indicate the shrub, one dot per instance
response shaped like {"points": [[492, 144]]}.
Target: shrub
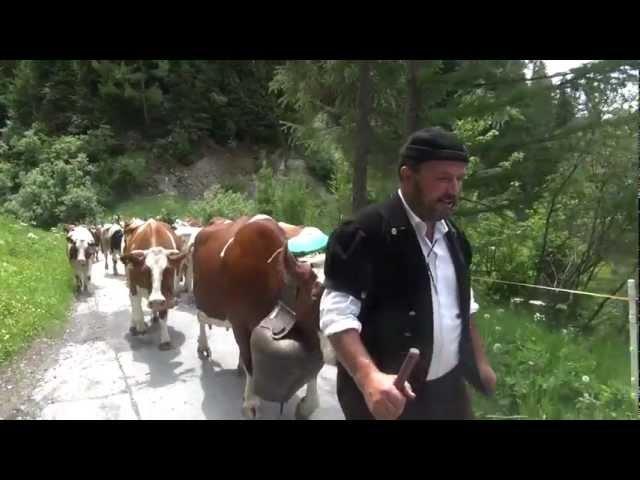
{"points": [[218, 202], [55, 192]]}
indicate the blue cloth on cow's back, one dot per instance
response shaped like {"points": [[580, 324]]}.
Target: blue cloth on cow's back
{"points": [[309, 240]]}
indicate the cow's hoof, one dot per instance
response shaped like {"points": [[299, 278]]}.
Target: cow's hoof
{"points": [[305, 408], [164, 346], [250, 410], [135, 332], [204, 353]]}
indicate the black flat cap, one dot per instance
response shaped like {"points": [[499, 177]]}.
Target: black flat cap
{"points": [[433, 144]]}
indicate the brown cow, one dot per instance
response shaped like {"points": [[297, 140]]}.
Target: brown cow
{"points": [[153, 257], [290, 230], [240, 272]]}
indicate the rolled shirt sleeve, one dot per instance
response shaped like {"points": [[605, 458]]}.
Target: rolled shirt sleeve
{"points": [[339, 312]]}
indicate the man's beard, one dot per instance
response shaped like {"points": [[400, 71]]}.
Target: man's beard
{"points": [[441, 208]]}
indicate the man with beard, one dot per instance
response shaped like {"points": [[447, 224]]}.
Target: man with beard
{"points": [[397, 277]]}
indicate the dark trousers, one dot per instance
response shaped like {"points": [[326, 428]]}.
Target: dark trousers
{"points": [[445, 398]]}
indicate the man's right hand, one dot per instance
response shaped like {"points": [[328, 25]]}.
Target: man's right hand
{"points": [[384, 400]]}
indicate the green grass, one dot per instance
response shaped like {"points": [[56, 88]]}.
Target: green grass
{"points": [[548, 374], [36, 285], [152, 206]]}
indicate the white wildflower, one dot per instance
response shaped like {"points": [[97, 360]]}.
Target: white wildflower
{"points": [[501, 310], [31, 235], [498, 328], [517, 300], [486, 315], [537, 303], [497, 347], [585, 379], [538, 317]]}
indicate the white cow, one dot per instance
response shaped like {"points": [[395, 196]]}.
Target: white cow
{"points": [[80, 248]]}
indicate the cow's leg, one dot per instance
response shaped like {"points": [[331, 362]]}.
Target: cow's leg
{"points": [[240, 368], [138, 327], [203, 344], [176, 281], [251, 402], [165, 341], [115, 263], [106, 261], [309, 402], [85, 277], [189, 276]]}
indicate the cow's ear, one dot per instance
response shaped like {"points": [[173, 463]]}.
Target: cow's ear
{"points": [[133, 258], [69, 239], [176, 258]]}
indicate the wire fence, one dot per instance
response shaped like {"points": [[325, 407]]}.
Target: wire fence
{"points": [[631, 299]]}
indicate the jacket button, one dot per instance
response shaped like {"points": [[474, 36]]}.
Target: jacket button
{"points": [[412, 313]]}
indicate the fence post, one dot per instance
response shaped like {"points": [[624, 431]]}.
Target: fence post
{"points": [[633, 335]]}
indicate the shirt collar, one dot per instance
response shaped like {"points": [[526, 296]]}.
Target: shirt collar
{"points": [[419, 226]]}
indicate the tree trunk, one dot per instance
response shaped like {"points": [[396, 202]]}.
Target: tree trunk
{"points": [[363, 137], [545, 236], [144, 97], [413, 99], [144, 104], [597, 311]]}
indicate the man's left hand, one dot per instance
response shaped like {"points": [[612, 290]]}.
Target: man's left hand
{"points": [[488, 377]]}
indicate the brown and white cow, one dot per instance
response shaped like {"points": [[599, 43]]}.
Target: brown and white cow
{"points": [[188, 236], [152, 257], [96, 231], [290, 230], [187, 222], [80, 249], [241, 269]]}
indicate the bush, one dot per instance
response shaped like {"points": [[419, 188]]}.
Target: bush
{"points": [[56, 192], [321, 168], [218, 202], [121, 175], [265, 190], [8, 179], [178, 145], [291, 201], [100, 143], [548, 374]]}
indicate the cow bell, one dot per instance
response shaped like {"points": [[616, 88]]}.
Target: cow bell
{"points": [[282, 365]]}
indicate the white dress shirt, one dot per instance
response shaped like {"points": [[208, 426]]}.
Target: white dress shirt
{"points": [[339, 311]]}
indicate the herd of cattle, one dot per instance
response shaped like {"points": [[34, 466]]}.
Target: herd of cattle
{"points": [[240, 272]]}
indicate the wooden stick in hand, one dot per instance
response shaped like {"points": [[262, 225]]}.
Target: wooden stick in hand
{"points": [[406, 368]]}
